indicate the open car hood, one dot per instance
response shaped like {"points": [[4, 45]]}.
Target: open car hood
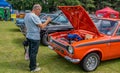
{"points": [[79, 18]]}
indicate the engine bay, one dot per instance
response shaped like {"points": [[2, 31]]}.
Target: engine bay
{"points": [[76, 36]]}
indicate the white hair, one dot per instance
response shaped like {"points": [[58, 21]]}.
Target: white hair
{"points": [[36, 6]]}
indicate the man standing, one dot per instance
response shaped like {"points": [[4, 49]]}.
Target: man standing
{"points": [[33, 25]]}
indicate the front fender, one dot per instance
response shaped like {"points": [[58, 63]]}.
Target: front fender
{"points": [[96, 50], [82, 52]]}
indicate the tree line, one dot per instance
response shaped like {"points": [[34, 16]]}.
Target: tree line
{"points": [[51, 5]]}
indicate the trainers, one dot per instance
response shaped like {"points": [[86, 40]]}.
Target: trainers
{"points": [[36, 69]]}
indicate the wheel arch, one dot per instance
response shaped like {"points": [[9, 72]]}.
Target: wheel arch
{"points": [[98, 51]]}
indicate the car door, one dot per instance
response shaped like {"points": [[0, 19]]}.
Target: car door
{"points": [[115, 44]]}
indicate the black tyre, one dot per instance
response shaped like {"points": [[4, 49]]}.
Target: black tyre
{"points": [[90, 62], [44, 40]]}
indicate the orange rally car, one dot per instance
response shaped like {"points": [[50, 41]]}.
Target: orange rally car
{"points": [[90, 42]]}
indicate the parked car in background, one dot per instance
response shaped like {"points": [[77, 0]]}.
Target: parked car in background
{"points": [[92, 16], [43, 16], [27, 11], [21, 14], [59, 23], [88, 43]]}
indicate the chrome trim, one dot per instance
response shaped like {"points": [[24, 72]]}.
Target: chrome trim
{"points": [[50, 47], [71, 59]]}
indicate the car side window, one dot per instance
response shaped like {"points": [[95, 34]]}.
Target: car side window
{"points": [[105, 26], [118, 32]]}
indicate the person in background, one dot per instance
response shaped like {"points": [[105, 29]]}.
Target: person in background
{"points": [[5, 14], [33, 25]]}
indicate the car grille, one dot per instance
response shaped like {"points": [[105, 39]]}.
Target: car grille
{"points": [[63, 46]]}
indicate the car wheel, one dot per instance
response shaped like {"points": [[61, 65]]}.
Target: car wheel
{"points": [[45, 40], [90, 62]]}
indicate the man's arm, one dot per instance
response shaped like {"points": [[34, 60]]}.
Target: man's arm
{"points": [[43, 25]]}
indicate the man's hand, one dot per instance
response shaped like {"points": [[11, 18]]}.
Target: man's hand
{"points": [[48, 19]]}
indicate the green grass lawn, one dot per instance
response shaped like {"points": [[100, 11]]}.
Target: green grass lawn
{"points": [[12, 56]]}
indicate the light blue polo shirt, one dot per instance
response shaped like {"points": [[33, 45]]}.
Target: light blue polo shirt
{"points": [[31, 22]]}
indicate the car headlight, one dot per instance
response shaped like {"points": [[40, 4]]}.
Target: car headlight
{"points": [[70, 49]]}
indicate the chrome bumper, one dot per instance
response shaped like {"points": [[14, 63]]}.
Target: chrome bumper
{"points": [[72, 60], [50, 47], [68, 58]]}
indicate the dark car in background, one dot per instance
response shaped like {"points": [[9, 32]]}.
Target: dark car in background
{"points": [[58, 23]]}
